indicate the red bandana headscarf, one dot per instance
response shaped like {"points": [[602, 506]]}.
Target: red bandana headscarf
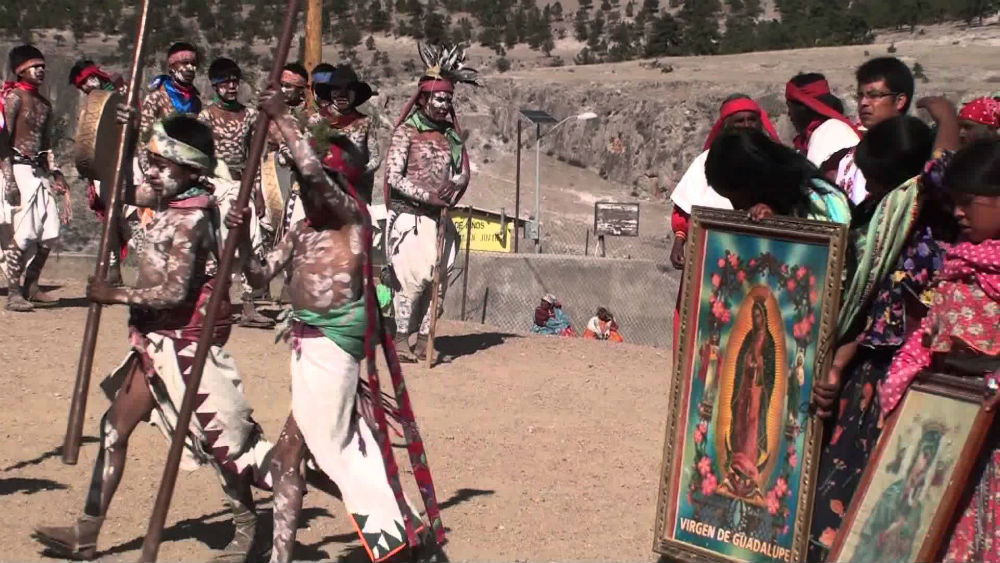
{"points": [[92, 70], [982, 110], [735, 106], [808, 95]]}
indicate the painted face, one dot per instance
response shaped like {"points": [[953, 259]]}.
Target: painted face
{"points": [[438, 106], [293, 95], [343, 99], [971, 131], [183, 70], [978, 216], [742, 120], [758, 318], [34, 74], [90, 84], [877, 103], [164, 180], [227, 89]]}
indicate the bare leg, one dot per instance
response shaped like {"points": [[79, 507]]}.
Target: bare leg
{"points": [[14, 259], [132, 404], [33, 273], [286, 462]]}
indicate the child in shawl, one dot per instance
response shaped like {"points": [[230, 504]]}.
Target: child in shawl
{"points": [[961, 335]]}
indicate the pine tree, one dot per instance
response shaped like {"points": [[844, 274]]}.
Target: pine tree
{"points": [[665, 37]]}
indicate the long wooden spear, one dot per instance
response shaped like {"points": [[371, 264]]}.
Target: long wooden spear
{"points": [[78, 406], [151, 545]]}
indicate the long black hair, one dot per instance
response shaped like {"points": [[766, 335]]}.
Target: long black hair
{"points": [[747, 167], [975, 170], [894, 151]]}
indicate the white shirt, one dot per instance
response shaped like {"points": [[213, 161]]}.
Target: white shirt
{"points": [[693, 189], [851, 180], [831, 137]]}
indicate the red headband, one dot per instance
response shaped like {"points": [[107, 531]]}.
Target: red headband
{"points": [[92, 70], [181, 56], [436, 85], [808, 96], [27, 64], [736, 106], [982, 110], [289, 77]]}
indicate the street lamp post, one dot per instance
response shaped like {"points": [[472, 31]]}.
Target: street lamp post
{"points": [[539, 117]]}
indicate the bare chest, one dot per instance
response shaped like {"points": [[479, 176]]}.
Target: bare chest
{"points": [[30, 125], [429, 157], [231, 131]]}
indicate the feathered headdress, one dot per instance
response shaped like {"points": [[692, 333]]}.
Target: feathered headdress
{"points": [[445, 65], [445, 68]]}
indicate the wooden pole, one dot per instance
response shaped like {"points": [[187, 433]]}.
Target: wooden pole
{"points": [[314, 40], [517, 188], [78, 404], [436, 287], [465, 270], [151, 545]]}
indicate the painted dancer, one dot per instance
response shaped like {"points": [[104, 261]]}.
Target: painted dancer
{"points": [[332, 328], [29, 215], [428, 170], [350, 134], [171, 93], [167, 311], [87, 77], [232, 128]]}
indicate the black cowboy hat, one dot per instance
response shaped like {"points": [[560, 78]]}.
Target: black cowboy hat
{"points": [[343, 77]]}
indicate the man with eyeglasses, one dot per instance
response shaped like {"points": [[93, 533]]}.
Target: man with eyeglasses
{"points": [[885, 89]]}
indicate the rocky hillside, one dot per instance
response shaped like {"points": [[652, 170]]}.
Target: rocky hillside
{"points": [[653, 115]]}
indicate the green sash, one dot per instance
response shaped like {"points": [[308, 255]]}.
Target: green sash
{"points": [[422, 124], [345, 325]]}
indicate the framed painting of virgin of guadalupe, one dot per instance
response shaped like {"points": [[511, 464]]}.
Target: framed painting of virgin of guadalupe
{"points": [[758, 318]]}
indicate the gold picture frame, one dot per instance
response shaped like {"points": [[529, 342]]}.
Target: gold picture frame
{"points": [[757, 325], [924, 460]]}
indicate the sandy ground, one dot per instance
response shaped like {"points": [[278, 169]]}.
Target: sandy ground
{"points": [[541, 448]]}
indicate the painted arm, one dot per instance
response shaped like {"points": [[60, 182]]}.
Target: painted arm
{"points": [[318, 186], [149, 110], [910, 360], [374, 153], [396, 161], [11, 106], [260, 272]]}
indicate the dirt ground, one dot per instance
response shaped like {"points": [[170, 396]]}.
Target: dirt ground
{"points": [[541, 448]]}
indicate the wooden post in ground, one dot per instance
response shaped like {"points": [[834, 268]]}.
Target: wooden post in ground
{"points": [[78, 404], [151, 545], [314, 40], [465, 270], [436, 286]]}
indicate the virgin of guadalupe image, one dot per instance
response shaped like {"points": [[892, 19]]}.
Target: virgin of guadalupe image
{"points": [[891, 529], [747, 442]]}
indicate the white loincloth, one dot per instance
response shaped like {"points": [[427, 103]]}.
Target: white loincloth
{"points": [[36, 220], [412, 250], [324, 403]]}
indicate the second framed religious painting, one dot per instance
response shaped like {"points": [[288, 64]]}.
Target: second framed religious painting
{"points": [[759, 306]]}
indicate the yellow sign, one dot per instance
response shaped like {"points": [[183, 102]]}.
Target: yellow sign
{"points": [[487, 234]]}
